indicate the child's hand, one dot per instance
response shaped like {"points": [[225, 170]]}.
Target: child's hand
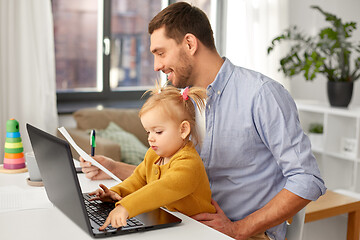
{"points": [[105, 195], [117, 218]]}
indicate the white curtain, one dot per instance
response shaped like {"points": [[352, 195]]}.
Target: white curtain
{"points": [[27, 67], [251, 25]]}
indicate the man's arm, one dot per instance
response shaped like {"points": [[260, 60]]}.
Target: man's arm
{"points": [[123, 170], [119, 169], [282, 207]]}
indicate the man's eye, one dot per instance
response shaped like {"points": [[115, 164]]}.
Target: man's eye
{"points": [[160, 54], [147, 133], [159, 132]]}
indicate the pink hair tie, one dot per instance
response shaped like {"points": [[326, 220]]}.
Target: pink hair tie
{"points": [[184, 93]]}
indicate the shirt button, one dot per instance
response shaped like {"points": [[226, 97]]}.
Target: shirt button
{"points": [[218, 92], [208, 106], [156, 171]]}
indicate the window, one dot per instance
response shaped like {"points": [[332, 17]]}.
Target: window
{"points": [[75, 31], [102, 48], [131, 62]]}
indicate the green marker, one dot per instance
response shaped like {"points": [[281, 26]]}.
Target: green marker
{"points": [[92, 142]]}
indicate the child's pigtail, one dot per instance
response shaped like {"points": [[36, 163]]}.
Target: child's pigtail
{"points": [[198, 94], [157, 89]]}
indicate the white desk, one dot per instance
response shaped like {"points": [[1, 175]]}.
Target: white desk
{"points": [[53, 224]]}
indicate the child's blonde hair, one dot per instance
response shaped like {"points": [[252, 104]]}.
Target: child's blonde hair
{"points": [[177, 104]]}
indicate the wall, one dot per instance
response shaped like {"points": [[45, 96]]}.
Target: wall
{"points": [[310, 21]]}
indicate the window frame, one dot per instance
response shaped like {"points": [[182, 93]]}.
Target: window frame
{"points": [[106, 94]]}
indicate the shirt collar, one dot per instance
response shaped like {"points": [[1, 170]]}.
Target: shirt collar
{"points": [[222, 78]]}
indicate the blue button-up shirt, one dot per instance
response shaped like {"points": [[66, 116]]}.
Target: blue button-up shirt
{"points": [[254, 145]]}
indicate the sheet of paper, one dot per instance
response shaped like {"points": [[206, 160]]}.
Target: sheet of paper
{"points": [[84, 155], [13, 198]]}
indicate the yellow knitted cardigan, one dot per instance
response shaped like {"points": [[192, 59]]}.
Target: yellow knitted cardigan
{"points": [[179, 185]]}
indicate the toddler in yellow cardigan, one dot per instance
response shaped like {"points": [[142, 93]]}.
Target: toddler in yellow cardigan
{"points": [[172, 174]]}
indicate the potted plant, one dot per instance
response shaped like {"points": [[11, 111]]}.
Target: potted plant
{"points": [[316, 135], [328, 53]]}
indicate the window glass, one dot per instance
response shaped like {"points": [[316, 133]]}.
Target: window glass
{"points": [[75, 31], [75, 34], [131, 60]]}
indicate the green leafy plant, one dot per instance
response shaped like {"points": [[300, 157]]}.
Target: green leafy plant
{"points": [[316, 128], [328, 52]]}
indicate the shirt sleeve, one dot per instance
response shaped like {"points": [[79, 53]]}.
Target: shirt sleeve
{"points": [[277, 123]]}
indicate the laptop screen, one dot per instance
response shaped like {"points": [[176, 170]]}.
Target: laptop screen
{"points": [[57, 170]]}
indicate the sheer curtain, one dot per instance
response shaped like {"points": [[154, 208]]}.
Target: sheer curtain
{"points": [[251, 25], [27, 67]]}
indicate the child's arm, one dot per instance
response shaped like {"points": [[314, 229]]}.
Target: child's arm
{"points": [[179, 181], [136, 181], [105, 195], [117, 218]]}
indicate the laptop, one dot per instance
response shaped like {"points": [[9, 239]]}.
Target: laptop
{"points": [[62, 187]]}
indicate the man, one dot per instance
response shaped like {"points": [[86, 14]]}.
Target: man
{"points": [[256, 155]]}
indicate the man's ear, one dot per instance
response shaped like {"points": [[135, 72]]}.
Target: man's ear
{"points": [[191, 43], [185, 129]]}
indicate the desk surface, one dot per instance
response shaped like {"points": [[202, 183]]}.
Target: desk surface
{"points": [[332, 204], [51, 222], [329, 205]]}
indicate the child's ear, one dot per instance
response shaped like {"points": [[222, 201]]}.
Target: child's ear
{"points": [[185, 129]]}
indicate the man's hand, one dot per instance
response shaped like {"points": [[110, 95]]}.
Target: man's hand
{"points": [[117, 218], [105, 195], [217, 220], [283, 206], [119, 169], [93, 172]]}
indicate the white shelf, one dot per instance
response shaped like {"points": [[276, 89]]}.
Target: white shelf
{"points": [[335, 154], [320, 107], [317, 150], [340, 156], [341, 134]]}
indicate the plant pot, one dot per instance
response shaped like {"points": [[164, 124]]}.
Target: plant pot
{"points": [[340, 93], [317, 140]]}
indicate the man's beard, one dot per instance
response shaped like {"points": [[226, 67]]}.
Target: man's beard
{"points": [[185, 69]]}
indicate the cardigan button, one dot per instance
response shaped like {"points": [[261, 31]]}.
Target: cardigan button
{"points": [[156, 171]]}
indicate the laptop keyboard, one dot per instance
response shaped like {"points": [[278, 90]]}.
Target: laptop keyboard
{"points": [[98, 211]]}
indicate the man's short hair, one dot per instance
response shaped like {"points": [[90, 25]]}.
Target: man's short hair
{"points": [[182, 18]]}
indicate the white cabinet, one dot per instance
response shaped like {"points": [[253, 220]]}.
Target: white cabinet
{"points": [[337, 151]]}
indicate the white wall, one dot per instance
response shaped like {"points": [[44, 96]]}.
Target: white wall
{"points": [[250, 27], [311, 21]]}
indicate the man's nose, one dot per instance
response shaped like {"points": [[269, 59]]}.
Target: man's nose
{"points": [[158, 66]]}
